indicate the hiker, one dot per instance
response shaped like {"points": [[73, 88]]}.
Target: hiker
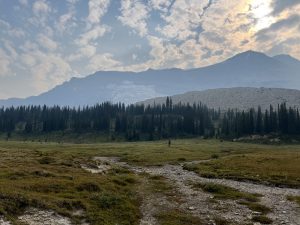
{"points": [[169, 143]]}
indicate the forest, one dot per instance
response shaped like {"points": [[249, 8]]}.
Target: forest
{"points": [[139, 122]]}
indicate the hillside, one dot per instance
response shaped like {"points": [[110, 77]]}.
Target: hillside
{"points": [[248, 69], [241, 98]]}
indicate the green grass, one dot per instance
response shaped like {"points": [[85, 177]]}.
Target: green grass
{"points": [[177, 217], [48, 175], [279, 166], [138, 153], [225, 192], [262, 219], [256, 207], [294, 199], [221, 221], [50, 179], [159, 184], [157, 153]]}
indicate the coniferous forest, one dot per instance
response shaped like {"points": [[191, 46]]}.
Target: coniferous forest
{"points": [[137, 122]]}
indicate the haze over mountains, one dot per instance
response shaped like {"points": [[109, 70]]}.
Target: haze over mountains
{"points": [[248, 69], [241, 98]]}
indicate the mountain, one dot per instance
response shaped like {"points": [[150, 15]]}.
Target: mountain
{"points": [[241, 98], [288, 60], [248, 69]]}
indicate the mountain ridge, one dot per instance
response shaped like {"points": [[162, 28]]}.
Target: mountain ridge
{"points": [[241, 98], [247, 69]]}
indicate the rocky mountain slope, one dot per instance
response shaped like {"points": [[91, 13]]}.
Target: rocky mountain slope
{"points": [[241, 98]]}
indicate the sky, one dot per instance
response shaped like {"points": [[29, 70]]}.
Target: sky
{"points": [[46, 42]]}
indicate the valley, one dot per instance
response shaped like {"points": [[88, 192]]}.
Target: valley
{"points": [[194, 181]]}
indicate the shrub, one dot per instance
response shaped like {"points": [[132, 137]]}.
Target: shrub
{"points": [[107, 201], [262, 219], [46, 160], [89, 186], [214, 156]]}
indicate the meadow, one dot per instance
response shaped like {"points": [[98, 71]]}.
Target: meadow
{"points": [[50, 176]]}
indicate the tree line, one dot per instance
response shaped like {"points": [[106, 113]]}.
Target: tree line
{"points": [[139, 122]]}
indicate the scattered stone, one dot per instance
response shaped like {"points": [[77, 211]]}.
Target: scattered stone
{"points": [[272, 197], [79, 212], [4, 222], [35, 216], [100, 168]]}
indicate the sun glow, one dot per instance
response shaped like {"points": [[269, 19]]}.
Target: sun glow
{"points": [[261, 11]]}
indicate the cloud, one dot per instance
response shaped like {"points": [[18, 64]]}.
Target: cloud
{"points": [[103, 62], [41, 10], [183, 20], [162, 5], [23, 2], [8, 45], [41, 7], [97, 8], [87, 41], [4, 24], [281, 5], [55, 38], [16, 32], [86, 51], [72, 1], [64, 21], [91, 35], [28, 60], [48, 69], [46, 42], [5, 69], [134, 14], [287, 23]]}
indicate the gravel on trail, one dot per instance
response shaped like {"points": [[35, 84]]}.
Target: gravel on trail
{"points": [[205, 206]]}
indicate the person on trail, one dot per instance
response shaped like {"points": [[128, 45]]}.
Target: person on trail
{"points": [[169, 143]]}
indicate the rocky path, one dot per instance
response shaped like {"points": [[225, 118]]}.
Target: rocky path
{"points": [[283, 211], [203, 205], [192, 201]]}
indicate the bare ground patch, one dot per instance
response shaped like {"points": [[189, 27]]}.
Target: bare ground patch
{"points": [[211, 210]]}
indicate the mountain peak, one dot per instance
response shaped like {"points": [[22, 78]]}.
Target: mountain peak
{"points": [[248, 68], [251, 57], [251, 53], [285, 56], [288, 60]]}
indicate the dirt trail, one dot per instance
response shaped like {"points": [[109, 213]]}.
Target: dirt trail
{"points": [[203, 205], [284, 211]]}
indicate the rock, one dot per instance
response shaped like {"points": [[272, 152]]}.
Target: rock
{"points": [[4, 222], [191, 208], [34, 216]]}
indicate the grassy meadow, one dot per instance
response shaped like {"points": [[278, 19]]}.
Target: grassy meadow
{"points": [[49, 175]]}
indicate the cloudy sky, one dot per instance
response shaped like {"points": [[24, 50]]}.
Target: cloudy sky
{"points": [[46, 42]]}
